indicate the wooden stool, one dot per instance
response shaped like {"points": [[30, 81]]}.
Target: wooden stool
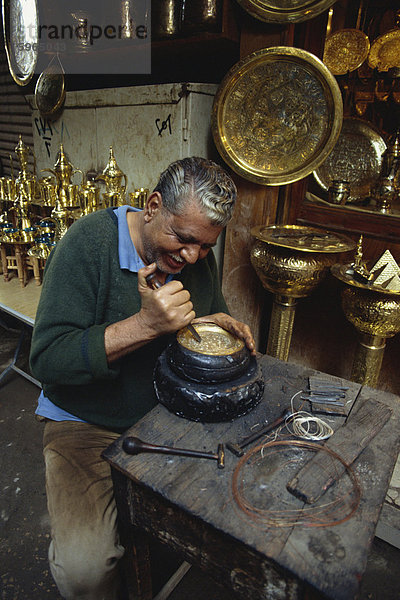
{"points": [[14, 257]]}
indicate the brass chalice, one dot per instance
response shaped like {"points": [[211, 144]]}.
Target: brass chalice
{"points": [[291, 260], [375, 313]]}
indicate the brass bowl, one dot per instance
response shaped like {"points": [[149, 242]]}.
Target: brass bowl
{"points": [[219, 356], [371, 312], [372, 309], [292, 260]]}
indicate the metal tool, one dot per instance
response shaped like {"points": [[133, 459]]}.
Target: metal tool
{"points": [[133, 445], [237, 448], [153, 282]]}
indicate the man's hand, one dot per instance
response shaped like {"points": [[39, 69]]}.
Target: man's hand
{"points": [[240, 330], [166, 309]]}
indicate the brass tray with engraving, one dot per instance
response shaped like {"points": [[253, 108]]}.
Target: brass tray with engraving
{"points": [[345, 51], [285, 11], [357, 158], [303, 238], [277, 115], [385, 51], [21, 40]]}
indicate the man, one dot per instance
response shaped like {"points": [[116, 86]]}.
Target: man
{"points": [[98, 332]]}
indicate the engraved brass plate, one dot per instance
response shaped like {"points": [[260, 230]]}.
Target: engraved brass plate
{"points": [[385, 51], [345, 51], [356, 158], [50, 91], [285, 11], [20, 26], [215, 341], [302, 238], [277, 115]]}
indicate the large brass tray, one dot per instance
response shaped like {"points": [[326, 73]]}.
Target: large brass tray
{"points": [[385, 51], [20, 27], [302, 238], [277, 115], [356, 158], [345, 50], [285, 11]]}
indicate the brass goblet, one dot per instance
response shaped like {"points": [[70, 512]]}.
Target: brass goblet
{"points": [[375, 313], [291, 260]]}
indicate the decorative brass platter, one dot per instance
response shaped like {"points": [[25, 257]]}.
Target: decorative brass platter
{"points": [[357, 158], [215, 341], [302, 238], [20, 26], [385, 51], [285, 11], [50, 91], [345, 51], [277, 115]]}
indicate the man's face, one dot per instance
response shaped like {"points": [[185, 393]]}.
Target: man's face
{"points": [[173, 241]]}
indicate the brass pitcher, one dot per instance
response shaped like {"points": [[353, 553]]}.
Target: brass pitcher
{"points": [[64, 171], [48, 191], [112, 177], [26, 182], [90, 198]]}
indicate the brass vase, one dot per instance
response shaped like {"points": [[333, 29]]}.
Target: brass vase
{"points": [[375, 313], [291, 261]]}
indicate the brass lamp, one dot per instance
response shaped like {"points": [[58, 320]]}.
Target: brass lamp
{"points": [[291, 260]]}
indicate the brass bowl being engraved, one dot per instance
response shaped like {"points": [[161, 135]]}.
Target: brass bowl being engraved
{"points": [[357, 158], [290, 11], [345, 50], [219, 356], [385, 51], [214, 380], [372, 309], [292, 260], [277, 115], [215, 341]]}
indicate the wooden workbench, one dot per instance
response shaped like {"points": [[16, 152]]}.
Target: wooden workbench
{"points": [[187, 503]]}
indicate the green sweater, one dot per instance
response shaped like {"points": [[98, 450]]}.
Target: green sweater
{"points": [[84, 291]]}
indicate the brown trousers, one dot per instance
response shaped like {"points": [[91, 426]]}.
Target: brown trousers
{"points": [[84, 549]]}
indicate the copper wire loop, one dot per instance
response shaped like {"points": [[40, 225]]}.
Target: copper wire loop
{"points": [[312, 516]]}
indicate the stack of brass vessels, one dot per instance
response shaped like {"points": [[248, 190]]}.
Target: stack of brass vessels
{"points": [[16, 196], [24, 198], [47, 236]]}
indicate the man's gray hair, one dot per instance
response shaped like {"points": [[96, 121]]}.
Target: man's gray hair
{"points": [[201, 180]]}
